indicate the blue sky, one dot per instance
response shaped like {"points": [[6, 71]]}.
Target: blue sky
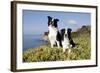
{"points": [[35, 22]]}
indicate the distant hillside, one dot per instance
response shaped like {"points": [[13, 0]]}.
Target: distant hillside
{"points": [[83, 30]]}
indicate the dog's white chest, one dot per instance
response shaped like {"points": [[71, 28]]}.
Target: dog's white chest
{"points": [[52, 34], [52, 31], [65, 43]]}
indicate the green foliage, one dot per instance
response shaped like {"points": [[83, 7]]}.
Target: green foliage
{"points": [[82, 51]]}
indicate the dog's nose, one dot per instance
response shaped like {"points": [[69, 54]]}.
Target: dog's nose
{"points": [[65, 35]]}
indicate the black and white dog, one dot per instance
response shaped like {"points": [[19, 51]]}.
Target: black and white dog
{"points": [[63, 38], [67, 40], [54, 34]]}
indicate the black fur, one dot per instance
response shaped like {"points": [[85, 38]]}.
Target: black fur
{"points": [[55, 22], [49, 20], [69, 33], [58, 38], [70, 37], [62, 34]]}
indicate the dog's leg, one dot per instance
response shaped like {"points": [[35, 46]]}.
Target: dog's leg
{"points": [[58, 44], [52, 43], [65, 46], [64, 49], [69, 51]]}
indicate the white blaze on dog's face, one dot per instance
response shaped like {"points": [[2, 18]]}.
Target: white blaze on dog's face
{"points": [[66, 35]]}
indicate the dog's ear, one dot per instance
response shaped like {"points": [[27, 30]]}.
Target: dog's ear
{"points": [[62, 31], [57, 20], [49, 17], [69, 33], [69, 29]]}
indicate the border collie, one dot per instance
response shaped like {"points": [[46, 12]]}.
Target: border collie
{"points": [[67, 40], [54, 34]]}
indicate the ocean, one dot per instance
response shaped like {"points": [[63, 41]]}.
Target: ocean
{"points": [[32, 41]]}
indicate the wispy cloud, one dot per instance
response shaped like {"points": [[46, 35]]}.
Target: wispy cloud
{"points": [[72, 22]]}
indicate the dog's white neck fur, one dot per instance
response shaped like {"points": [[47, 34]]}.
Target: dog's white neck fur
{"points": [[52, 30]]}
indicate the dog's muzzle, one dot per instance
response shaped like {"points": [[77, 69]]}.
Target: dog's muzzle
{"points": [[65, 35]]}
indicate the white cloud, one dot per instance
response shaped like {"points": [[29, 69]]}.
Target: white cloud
{"points": [[72, 22]]}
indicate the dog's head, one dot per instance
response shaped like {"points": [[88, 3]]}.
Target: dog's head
{"points": [[52, 22], [66, 33]]}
